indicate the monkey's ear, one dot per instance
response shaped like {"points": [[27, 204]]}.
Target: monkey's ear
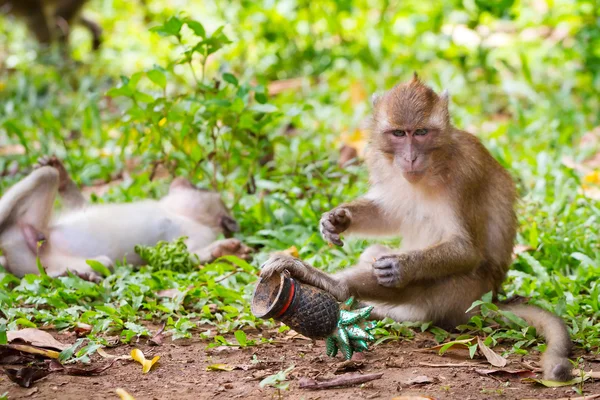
{"points": [[180, 182], [229, 225], [375, 97], [445, 98]]}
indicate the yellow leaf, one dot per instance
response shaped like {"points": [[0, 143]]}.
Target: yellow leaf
{"points": [[593, 178], [162, 122], [219, 367], [138, 356], [124, 395], [358, 94], [357, 139], [292, 251]]}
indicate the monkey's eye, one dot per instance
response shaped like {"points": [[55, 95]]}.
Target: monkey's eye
{"points": [[399, 133], [421, 132]]}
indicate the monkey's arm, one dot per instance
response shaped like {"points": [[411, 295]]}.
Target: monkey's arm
{"points": [[359, 216], [454, 256], [300, 270]]}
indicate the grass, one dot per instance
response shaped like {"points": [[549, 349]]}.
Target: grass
{"points": [[525, 80]]}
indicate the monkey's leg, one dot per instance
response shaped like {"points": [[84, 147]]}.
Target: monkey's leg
{"points": [[25, 211], [222, 248], [68, 190]]}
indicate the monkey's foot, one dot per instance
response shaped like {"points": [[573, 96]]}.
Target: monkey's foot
{"points": [[231, 247], [54, 162], [280, 262], [353, 332]]}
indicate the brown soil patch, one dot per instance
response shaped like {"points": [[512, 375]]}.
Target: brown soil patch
{"points": [[182, 374]]}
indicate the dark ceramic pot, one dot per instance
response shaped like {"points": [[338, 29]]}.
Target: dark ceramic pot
{"points": [[307, 310]]}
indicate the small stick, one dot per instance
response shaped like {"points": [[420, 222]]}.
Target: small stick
{"points": [[342, 380], [449, 365]]}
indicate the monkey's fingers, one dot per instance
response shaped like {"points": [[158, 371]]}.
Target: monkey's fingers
{"points": [[341, 216]]}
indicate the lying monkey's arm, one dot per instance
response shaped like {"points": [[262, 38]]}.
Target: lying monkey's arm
{"points": [[454, 256], [359, 216]]}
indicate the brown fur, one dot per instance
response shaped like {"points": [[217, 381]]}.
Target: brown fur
{"points": [[453, 205]]}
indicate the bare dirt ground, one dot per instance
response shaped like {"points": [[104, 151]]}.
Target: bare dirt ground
{"points": [[182, 373]]}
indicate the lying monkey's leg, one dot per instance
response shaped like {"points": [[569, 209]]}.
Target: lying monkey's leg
{"points": [[25, 211], [68, 190], [225, 247]]}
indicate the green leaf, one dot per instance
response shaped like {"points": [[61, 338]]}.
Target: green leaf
{"points": [[3, 336], [170, 28], [196, 27], [230, 78], [98, 267], [241, 338], [68, 352], [158, 77]]}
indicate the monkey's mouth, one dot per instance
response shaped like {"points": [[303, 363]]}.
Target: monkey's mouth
{"points": [[413, 176]]}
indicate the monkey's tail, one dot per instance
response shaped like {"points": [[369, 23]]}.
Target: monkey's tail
{"points": [[555, 360]]}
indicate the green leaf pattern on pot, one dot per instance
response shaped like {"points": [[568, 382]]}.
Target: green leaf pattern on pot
{"points": [[352, 332]]}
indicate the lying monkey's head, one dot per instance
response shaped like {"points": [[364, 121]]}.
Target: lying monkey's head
{"points": [[201, 205], [411, 125]]}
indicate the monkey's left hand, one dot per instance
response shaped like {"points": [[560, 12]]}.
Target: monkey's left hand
{"points": [[280, 262], [390, 270]]}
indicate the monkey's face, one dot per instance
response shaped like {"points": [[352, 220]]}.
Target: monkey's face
{"points": [[203, 206], [410, 127]]}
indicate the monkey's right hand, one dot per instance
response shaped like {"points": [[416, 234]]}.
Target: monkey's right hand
{"points": [[333, 223], [280, 262]]}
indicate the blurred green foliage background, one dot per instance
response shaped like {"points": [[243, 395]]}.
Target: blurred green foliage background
{"points": [[172, 91]]}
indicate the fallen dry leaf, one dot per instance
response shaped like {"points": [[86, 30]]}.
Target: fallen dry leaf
{"points": [[124, 395], [412, 398], [138, 356], [291, 251], [26, 375], [590, 397], [495, 359], [280, 86], [520, 249], [101, 352], [12, 150], [420, 380], [521, 373], [33, 350], [220, 367], [35, 337]]}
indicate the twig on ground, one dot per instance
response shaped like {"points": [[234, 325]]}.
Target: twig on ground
{"points": [[342, 380]]}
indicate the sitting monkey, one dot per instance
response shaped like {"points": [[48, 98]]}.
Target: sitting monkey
{"points": [[451, 202], [105, 232]]}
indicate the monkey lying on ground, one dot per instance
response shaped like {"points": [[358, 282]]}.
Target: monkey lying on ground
{"points": [[106, 233], [453, 205], [51, 20]]}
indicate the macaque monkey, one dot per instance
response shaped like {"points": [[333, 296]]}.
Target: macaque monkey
{"points": [[105, 232], [51, 20], [453, 205]]}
